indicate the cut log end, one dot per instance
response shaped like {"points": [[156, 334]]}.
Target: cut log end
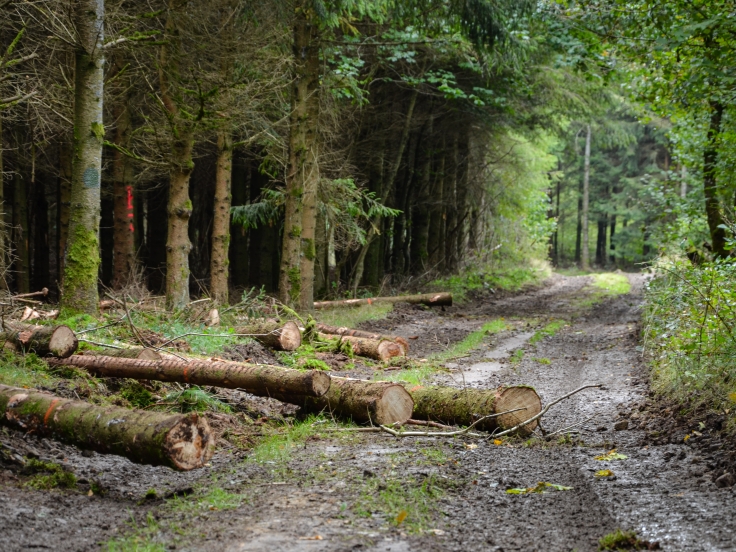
{"points": [[190, 443], [395, 406], [63, 342], [511, 398], [321, 382], [389, 349], [291, 337]]}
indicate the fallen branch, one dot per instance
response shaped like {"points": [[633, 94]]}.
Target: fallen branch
{"points": [[334, 330], [429, 299], [43, 293], [564, 429], [273, 334], [58, 341], [369, 348], [396, 433], [544, 410]]}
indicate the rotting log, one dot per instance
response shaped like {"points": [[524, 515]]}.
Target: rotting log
{"points": [[378, 402], [274, 334], [143, 353], [370, 348], [430, 299], [58, 341], [334, 330], [257, 379], [182, 441], [450, 405]]}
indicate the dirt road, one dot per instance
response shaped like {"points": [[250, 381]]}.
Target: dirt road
{"points": [[322, 491]]}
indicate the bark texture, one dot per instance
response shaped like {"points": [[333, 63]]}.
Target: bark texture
{"points": [[82, 257], [66, 155], [296, 275], [182, 442], [261, 380], [360, 400], [429, 299], [585, 255], [219, 263], [134, 352], [371, 348], [334, 330], [57, 341], [464, 406], [273, 334], [710, 182]]}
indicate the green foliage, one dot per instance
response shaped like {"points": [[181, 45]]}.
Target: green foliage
{"points": [[506, 276], [216, 498], [622, 540], [141, 539], [689, 318], [137, 395], [277, 447], [195, 399], [304, 358], [472, 341], [48, 475], [549, 330], [351, 317], [25, 371]]}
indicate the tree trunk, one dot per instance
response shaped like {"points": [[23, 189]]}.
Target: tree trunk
{"points": [[123, 206], [449, 405], [134, 352], [21, 235], [429, 299], [585, 261], [4, 242], [219, 263], [612, 246], [296, 275], [334, 330], [436, 214], [579, 227], [683, 182], [273, 334], [362, 401], [370, 348], [259, 380], [419, 252], [58, 341], [66, 154], [710, 183], [82, 258], [182, 442]]}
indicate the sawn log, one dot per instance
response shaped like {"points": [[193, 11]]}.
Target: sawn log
{"points": [[334, 330], [257, 379], [58, 341], [379, 402], [143, 353], [370, 348], [273, 334], [464, 406], [182, 442], [429, 299]]}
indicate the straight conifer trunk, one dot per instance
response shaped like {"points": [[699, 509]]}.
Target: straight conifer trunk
{"points": [[585, 259], [221, 220], [82, 256], [710, 184], [3, 245], [296, 275], [64, 199], [123, 209], [21, 235]]}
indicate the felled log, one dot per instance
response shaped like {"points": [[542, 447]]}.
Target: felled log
{"points": [[334, 330], [182, 442], [256, 379], [379, 402], [370, 348], [429, 299], [58, 341], [464, 406], [143, 353], [274, 334]]}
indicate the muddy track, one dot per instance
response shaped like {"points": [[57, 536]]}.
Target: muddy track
{"points": [[328, 494]]}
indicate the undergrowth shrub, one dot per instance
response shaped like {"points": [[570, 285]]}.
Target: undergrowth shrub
{"points": [[690, 320]]}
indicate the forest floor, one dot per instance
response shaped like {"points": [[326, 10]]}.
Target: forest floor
{"points": [[309, 489]]}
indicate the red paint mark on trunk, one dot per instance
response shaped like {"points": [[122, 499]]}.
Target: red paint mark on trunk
{"points": [[48, 412]]}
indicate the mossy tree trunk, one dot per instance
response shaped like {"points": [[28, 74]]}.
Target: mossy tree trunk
{"points": [[182, 127], [219, 263], [82, 258], [710, 182], [123, 205], [296, 275]]}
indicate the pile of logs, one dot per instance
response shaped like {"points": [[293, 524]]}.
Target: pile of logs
{"points": [[186, 442]]}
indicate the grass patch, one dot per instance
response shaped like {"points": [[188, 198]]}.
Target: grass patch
{"points": [[277, 448], [517, 356], [25, 371], [141, 539], [350, 317], [409, 503], [434, 456], [548, 331], [542, 360], [622, 540], [216, 498], [605, 285], [419, 374], [472, 341], [49, 475]]}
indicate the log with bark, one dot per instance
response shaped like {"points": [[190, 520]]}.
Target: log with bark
{"points": [[370, 348], [261, 380], [182, 442], [274, 334], [464, 406], [429, 299], [378, 402], [58, 341], [142, 353], [334, 330]]}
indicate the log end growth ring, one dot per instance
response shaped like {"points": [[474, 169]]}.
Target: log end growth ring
{"points": [[190, 443], [63, 342], [389, 349], [511, 398], [291, 337], [321, 382], [395, 406]]}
